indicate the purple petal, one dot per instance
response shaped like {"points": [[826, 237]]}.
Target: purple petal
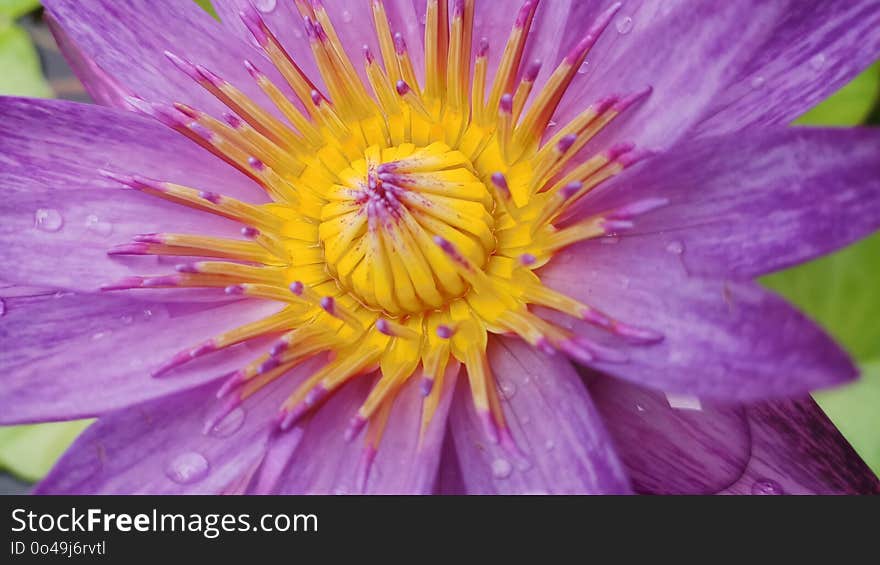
{"points": [[797, 450], [450, 480], [747, 204], [68, 355], [283, 20], [61, 215], [325, 463], [112, 35], [811, 50], [721, 339], [673, 445], [720, 68], [564, 447], [102, 87], [160, 447]]}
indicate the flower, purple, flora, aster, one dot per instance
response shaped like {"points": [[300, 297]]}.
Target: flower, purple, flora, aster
{"points": [[446, 246]]}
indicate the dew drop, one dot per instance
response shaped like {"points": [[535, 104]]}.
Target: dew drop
{"points": [[767, 487], [297, 33], [501, 468], [624, 25], [585, 66], [346, 16], [98, 226], [523, 464], [508, 389], [48, 219], [549, 445], [265, 6], [818, 61], [757, 82], [187, 468], [147, 315], [675, 247], [551, 124], [2, 307], [99, 335], [126, 320], [229, 424], [640, 408]]}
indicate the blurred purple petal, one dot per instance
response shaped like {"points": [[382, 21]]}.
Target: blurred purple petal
{"points": [[673, 445], [797, 450]]}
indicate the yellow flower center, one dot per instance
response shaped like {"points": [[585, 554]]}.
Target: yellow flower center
{"points": [[378, 224], [407, 222]]}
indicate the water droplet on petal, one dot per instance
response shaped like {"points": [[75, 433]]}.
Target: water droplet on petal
{"points": [[501, 468], [96, 225], [551, 124], [675, 247], [297, 33], [48, 219], [346, 16], [549, 445], [147, 315], [187, 468], [2, 307], [585, 66], [767, 486], [229, 424], [99, 335], [818, 61], [265, 6], [757, 82], [126, 319], [508, 389], [624, 25]]}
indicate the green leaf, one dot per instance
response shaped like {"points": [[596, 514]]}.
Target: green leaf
{"points": [[21, 75], [30, 451], [850, 105], [840, 292], [16, 8], [206, 5], [854, 410]]}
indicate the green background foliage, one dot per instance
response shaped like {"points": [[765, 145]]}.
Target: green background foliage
{"points": [[839, 291]]}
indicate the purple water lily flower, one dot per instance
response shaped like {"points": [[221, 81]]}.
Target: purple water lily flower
{"points": [[397, 246]]}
